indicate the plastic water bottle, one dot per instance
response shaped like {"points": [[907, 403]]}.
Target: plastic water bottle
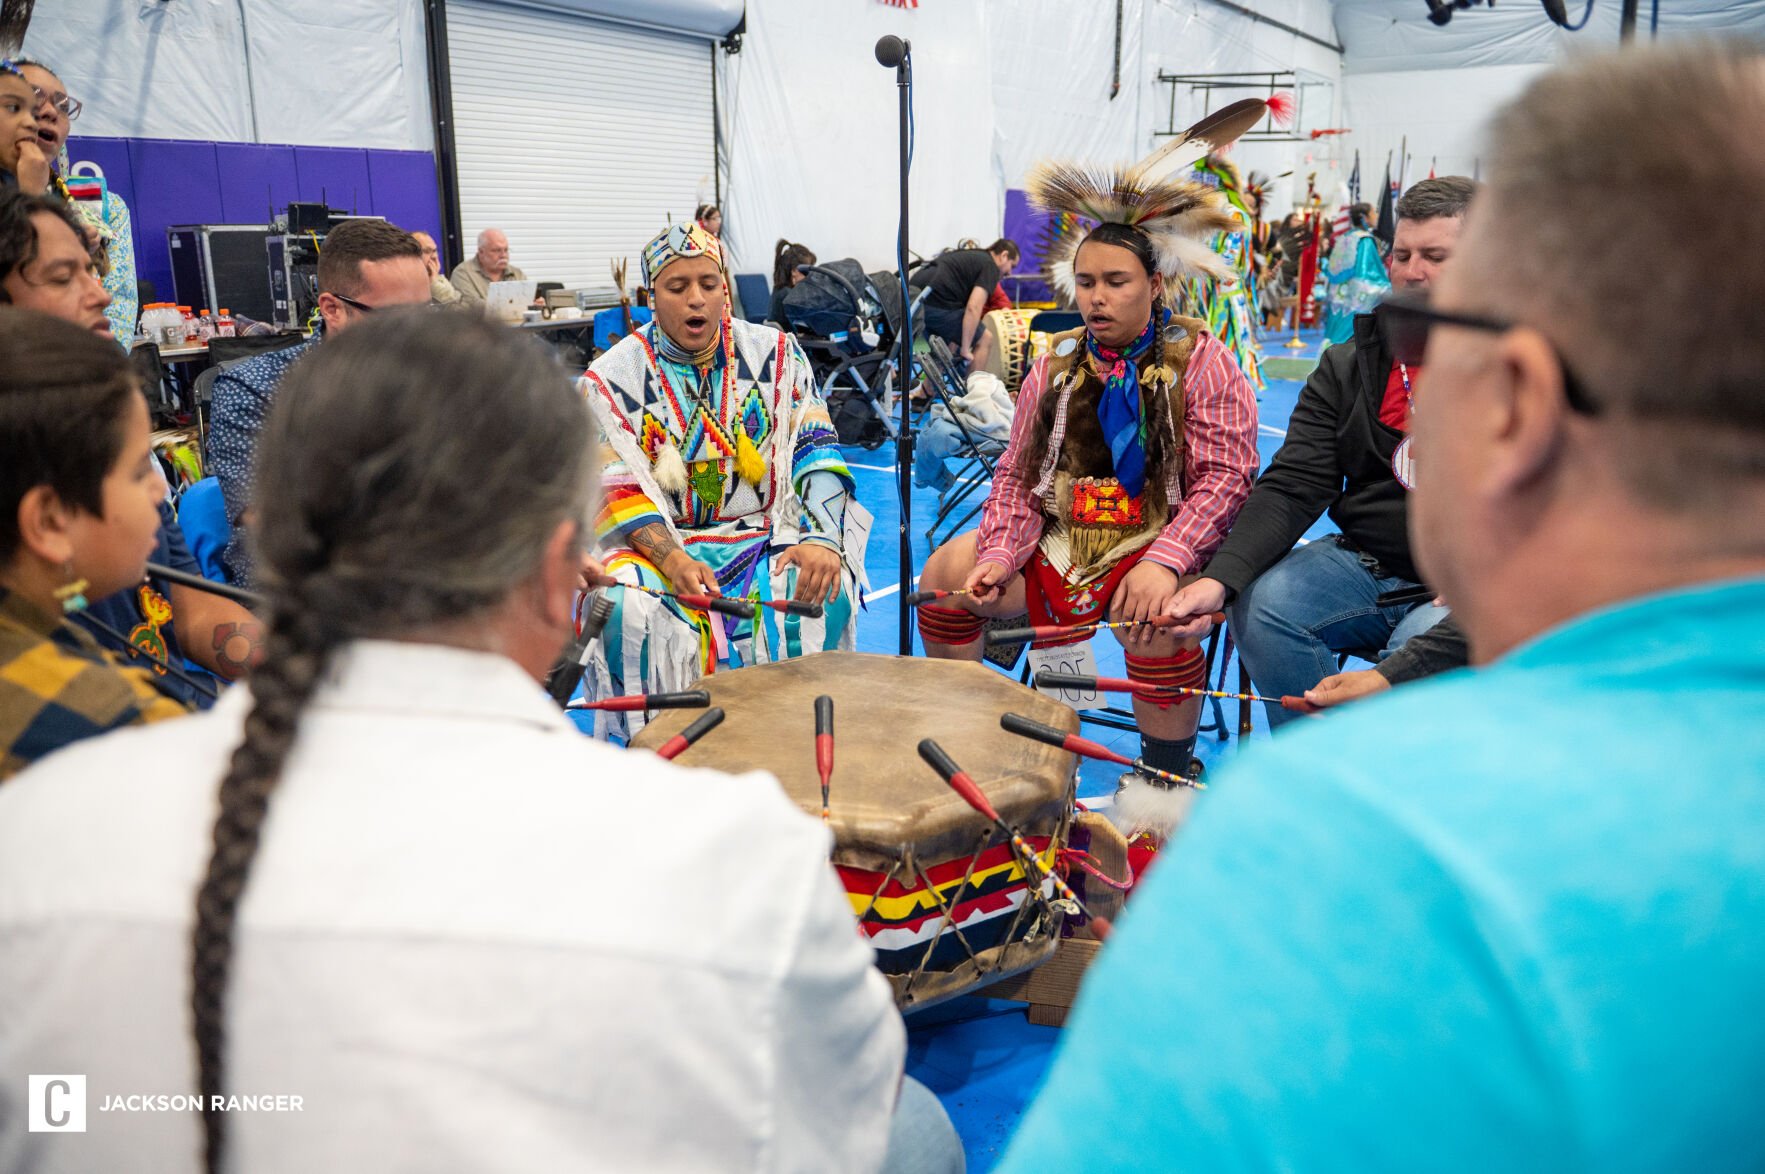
{"points": [[191, 337], [224, 327], [204, 326]]}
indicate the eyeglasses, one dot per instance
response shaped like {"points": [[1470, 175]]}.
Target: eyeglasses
{"points": [[1407, 321], [353, 304], [69, 107]]}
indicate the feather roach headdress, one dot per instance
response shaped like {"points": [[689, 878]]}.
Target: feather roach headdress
{"points": [[1176, 214], [15, 19]]}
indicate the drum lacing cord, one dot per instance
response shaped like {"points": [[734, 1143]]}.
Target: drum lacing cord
{"points": [[1088, 862]]}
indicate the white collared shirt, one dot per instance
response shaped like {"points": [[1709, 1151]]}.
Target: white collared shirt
{"points": [[472, 939]]}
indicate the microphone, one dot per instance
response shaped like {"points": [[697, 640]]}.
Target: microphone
{"points": [[891, 51], [567, 674]]}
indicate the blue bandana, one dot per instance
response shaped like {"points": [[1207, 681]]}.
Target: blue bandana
{"points": [[1124, 427]]}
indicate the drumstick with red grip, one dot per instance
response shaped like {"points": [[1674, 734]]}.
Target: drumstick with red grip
{"points": [[1025, 727], [689, 699], [741, 609], [916, 598], [1057, 631], [702, 725], [824, 746], [1163, 692], [728, 607], [934, 757]]}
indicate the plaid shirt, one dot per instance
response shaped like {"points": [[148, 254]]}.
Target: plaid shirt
{"points": [[1219, 466], [58, 686]]}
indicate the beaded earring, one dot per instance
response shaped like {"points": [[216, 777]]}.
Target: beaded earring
{"points": [[72, 596]]}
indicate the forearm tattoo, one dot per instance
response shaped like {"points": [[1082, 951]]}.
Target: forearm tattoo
{"points": [[237, 647], [654, 543]]}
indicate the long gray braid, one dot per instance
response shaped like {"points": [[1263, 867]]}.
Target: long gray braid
{"points": [[411, 473]]}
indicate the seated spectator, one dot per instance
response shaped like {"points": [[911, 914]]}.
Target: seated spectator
{"points": [[474, 276], [1296, 609], [23, 163], [44, 266], [415, 940], [79, 498], [441, 290], [961, 282], [710, 218], [107, 219], [366, 265], [788, 261]]}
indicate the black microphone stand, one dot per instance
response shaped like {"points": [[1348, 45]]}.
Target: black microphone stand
{"points": [[898, 53]]}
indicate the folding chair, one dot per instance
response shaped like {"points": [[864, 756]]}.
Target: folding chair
{"points": [[230, 352], [202, 515], [163, 403], [755, 294], [980, 454]]}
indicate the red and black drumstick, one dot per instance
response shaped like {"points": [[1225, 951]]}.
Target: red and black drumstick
{"points": [[1024, 727], [1163, 692], [729, 607], [1056, 631], [793, 607], [824, 746], [689, 699], [914, 599], [934, 757], [725, 605], [702, 725]]}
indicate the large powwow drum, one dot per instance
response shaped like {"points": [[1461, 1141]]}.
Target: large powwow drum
{"points": [[936, 888], [1012, 351]]}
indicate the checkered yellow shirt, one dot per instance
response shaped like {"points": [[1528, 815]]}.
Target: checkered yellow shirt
{"points": [[58, 686]]}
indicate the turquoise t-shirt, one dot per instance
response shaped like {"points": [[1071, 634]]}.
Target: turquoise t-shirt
{"points": [[1510, 918]]}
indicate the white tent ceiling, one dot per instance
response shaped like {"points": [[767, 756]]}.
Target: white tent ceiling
{"points": [[1393, 35]]}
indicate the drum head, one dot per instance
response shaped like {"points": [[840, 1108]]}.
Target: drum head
{"points": [[883, 797]]}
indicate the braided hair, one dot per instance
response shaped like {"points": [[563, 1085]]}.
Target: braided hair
{"points": [[410, 476]]}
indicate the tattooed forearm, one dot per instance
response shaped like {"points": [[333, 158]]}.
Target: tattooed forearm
{"points": [[237, 647], [654, 543]]}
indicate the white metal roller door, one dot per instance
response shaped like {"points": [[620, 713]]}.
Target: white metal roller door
{"points": [[577, 137]]}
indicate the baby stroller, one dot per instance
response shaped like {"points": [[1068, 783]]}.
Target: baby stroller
{"points": [[847, 322]]}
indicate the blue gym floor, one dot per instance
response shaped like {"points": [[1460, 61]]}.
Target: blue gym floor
{"points": [[982, 1057]]}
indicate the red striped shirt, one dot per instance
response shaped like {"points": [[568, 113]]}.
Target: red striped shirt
{"points": [[1219, 466]]}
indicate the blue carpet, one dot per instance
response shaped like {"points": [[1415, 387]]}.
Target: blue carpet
{"points": [[982, 1057]]}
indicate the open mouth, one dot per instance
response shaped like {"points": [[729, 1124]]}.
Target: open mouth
{"points": [[101, 325], [47, 138], [697, 322]]}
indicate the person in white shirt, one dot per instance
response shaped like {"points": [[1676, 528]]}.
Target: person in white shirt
{"points": [[425, 924]]}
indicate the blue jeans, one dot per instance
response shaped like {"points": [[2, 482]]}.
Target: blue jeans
{"points": [[1294, 619], [922, 1140]]}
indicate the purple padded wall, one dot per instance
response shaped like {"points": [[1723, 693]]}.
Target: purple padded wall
{"points": [[405, 193], [257, 183], [338, 177], [168, 182]]}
